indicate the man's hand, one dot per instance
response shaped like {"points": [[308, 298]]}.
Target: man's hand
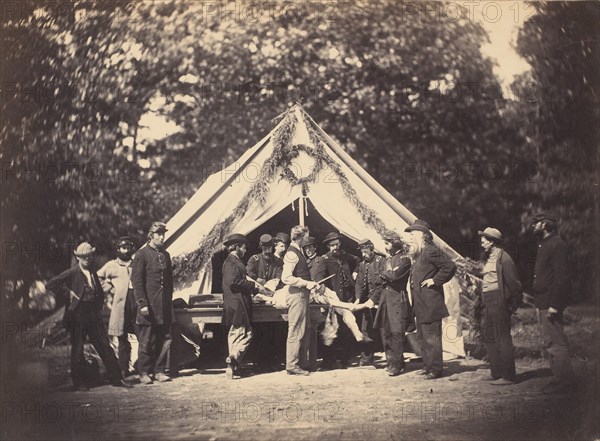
{"points": [[263, 298], [312, 285], [427, 283], [261, 281], [552, 314], [367, 305], [265, 291], [145, 311], [320, 290]]}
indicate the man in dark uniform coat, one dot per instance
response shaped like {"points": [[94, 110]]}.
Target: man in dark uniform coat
{"points": [[237, 303], [430, 270], [152, 280], [263, 267], [81, 287], [551, 293], [368, 285], [341, 265], [394, 316]]}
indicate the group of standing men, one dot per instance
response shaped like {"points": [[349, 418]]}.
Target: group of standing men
{"points": [[142, 290], [380, 281], [404, 285], [502, 295]]}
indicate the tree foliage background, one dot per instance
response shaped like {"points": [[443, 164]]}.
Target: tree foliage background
{"points": [[409, 94]]}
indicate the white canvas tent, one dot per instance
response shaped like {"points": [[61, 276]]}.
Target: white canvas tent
{"points": [[335, 184]]}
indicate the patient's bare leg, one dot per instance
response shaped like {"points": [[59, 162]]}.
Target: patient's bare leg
{"points": [[350, 321]]}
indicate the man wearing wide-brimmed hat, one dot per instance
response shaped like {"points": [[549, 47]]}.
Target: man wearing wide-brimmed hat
{"points": [[152, 280], [81, 287], [237, 303], [551, 293], [341, 265], [431, 268], [501, 295], [326, 296]]}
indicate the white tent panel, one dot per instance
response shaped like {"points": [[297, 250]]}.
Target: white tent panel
{"points": [[233, 183], [223, 191]]}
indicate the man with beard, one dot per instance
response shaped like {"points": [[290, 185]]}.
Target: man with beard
{"points": [[368, 285], [551, 291], [152, 280], [430, 270], [326, 296], [115, 276], [501, 295], [81, 287], [265, 266], [341, 265], [237, 303], [394, 315], [262, 268]]}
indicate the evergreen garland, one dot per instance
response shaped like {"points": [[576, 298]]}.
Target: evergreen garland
{"points": [[186, 267], [368, 216]]}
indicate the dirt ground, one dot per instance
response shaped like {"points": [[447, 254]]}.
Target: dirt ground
{"points": [[349, 404]]}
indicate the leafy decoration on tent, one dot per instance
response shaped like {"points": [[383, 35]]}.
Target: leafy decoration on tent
{"points": [[187, 267], [468, 273], [368, 215], [289, 175]]}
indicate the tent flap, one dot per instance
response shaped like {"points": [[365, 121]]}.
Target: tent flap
{"points": [[218, 197]]}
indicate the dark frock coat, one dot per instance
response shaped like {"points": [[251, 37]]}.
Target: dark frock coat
{"points": [[237, 294], [428, 302], [152, 280], [394, 311]]}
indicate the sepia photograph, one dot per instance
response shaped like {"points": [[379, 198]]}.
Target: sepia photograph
{"points": [[354, 220]]}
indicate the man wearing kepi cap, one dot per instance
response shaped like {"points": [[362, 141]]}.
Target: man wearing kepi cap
{"points": [[115, 276], [394, 316], [152, 280], [81, 287], [551, 291], [431, 268], [281, 242], [237, 303], [368, 285], [501, 295], [263, 267]]}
